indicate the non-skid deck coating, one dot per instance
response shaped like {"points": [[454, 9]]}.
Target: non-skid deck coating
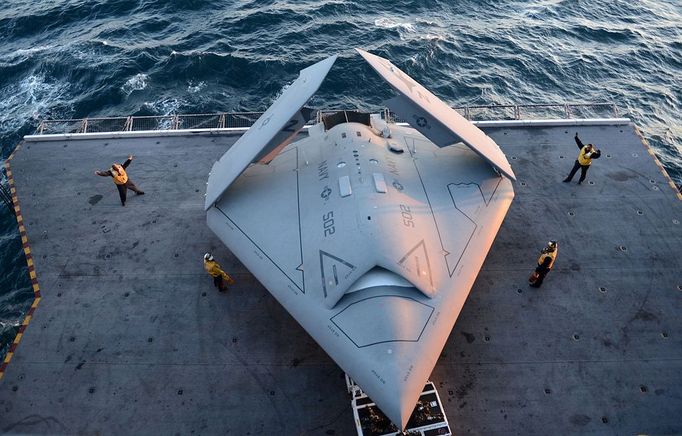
{"points": [[130, 336]]}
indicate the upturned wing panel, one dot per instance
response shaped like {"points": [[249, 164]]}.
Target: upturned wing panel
{"points": [[433, 117], [270, 133]]}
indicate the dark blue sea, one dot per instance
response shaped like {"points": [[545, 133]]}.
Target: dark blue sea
{"points": [[78, 58]]}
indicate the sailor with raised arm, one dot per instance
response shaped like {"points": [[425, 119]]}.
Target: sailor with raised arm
{"points": [[587, 153], [120, 177]]}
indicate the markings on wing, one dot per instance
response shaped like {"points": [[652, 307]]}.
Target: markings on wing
{"points": [[417, 262], [299, 269], [334, 270], [371, 321]]}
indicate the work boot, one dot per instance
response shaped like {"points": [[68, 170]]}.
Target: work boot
{"points": [[566, 180]]}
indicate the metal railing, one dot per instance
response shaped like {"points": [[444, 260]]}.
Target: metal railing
{"points": [[246, 119]]}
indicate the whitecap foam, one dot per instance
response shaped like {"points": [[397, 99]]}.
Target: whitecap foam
{"points": [[165, 106], [136, 83], [31, 98], [193, 87], [23, 54], [391, 23]]}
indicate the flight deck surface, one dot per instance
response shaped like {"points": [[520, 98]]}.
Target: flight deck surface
{"points": [[131, 337]]}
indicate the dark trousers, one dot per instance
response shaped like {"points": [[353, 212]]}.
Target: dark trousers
{"points": [[123, 189], [218, 282], [583, 172], [542, 272]]}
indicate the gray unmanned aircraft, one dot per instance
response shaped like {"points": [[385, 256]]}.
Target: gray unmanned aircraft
{"points": [[369, 233]]}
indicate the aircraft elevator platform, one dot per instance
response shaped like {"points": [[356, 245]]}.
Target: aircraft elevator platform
{"points": [[129, 336]]}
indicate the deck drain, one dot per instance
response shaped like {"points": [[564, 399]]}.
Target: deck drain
{"points": [[91, 390], [591, 182], [664, 335], [513, 157], [639, 212], [548, 391], [652, 181], [679, 287], [609, 156], [571, 214], [642, 389], [676, 222], [623, 248], [602, 290], [605, 420], [523, 183], [520, 291], [486, 338], [635, 155], [576, 337], [561, 157], [655, 188]]}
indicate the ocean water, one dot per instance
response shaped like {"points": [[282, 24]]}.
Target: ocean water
{"points": [[77, 58]]}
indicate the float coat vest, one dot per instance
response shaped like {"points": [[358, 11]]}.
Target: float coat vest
{"points": [[551, 255], [214, 270], [119, 174], [583, 159]]}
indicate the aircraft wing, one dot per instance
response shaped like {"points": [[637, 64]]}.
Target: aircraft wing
{"points": [[372, 252], [270, 133], [433, 118]]}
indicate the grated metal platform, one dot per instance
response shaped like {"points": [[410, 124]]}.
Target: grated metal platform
{"points": [[130, 336]]}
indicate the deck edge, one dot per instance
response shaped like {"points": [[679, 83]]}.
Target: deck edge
{"points": [[29, 262]]}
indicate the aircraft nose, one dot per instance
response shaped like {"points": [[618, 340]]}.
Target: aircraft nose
{"points": [[399, 401]]}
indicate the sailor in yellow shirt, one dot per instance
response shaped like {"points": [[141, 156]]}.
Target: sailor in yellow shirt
{"points": [[220, 278], [545, 264], [587, 153]]}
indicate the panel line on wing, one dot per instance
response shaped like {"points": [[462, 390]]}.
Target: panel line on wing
{"points": [[389, 341], [335, 273], [298, 205], [418, 266], [259, 248], [433, 215], [473, 231]]}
